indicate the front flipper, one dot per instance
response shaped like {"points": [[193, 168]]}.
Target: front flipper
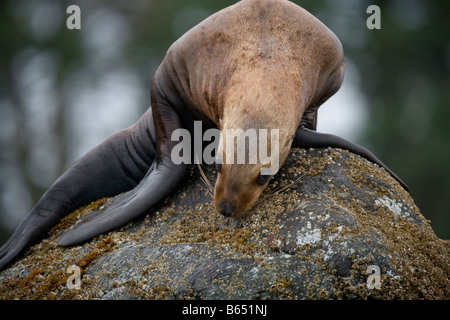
{"points": [[162, 177], [158, 183], [115, 166], [305, 138]]}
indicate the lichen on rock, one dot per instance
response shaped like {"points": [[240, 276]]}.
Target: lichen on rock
{"points": [[313, 240]]}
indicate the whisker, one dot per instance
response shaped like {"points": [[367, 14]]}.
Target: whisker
{"points": [[280, 190], [209, 187]]}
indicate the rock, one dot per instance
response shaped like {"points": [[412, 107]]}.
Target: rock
{"points": [[331, 225]]}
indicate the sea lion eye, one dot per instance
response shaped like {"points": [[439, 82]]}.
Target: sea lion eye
{"points": [[263, 179]]}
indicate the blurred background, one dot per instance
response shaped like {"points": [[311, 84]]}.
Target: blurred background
{"points": [[64, 91]]}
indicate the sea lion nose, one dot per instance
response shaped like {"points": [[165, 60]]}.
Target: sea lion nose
{"points": [[227, 208]]}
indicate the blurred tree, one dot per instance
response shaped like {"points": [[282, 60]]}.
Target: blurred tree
{"points": [[35, 58], [406, 69]]}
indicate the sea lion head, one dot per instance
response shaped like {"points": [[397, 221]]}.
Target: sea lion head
{"points": [[260, 117], [246, 161]]}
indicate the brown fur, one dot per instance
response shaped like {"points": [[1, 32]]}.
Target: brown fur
{"points": [[261, 64]]}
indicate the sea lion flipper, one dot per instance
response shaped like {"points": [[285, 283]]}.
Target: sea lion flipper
{"points": [[153, 188], [162, 177], [113, 167], [305, 138], [12, 248]]}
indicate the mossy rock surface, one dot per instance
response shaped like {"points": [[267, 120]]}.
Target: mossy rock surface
{"points": [[314, 240]]}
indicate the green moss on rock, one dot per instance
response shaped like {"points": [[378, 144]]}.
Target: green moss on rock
{"points": [[325, 217]]}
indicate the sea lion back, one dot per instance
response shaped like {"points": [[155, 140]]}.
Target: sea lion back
{"points": [[273, 39]]}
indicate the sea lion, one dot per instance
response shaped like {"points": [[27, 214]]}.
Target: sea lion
{"points": [[256, 64]]}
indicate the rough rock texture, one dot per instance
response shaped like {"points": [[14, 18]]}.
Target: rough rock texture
{"points": [[325, 218]]}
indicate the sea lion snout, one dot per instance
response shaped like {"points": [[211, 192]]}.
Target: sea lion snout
{"points": [[235, 200], [227, 208]]}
